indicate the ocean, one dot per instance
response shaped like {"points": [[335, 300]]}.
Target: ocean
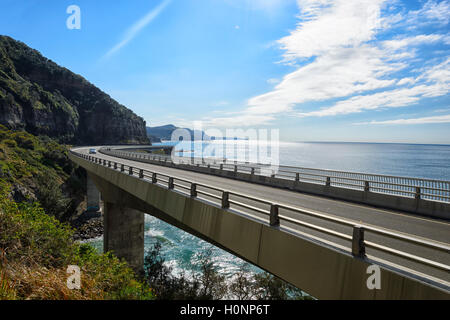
{"points": [[180, 249]]}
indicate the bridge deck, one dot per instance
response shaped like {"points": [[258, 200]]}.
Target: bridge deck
{"points": [[429, 228]]}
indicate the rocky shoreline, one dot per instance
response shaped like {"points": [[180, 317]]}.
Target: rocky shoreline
{"points": [[88, 225]]}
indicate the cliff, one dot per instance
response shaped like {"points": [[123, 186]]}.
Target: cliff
{"points": [[43, 98]]}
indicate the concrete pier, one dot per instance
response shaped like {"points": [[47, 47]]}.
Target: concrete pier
{"points": [[93, 196], [124, 234]]}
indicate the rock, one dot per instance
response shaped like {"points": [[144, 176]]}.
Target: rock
{"points": [[88, 226], [20, 194], [43, 98]]}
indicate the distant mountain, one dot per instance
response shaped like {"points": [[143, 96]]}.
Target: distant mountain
{"points": [[43, 98], [165, 133], [161, 132]]}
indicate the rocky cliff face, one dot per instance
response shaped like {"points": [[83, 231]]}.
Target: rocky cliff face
{"points": [[43, 98]]}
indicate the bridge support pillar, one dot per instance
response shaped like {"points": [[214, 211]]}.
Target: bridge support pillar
{"points": [[93, 196], [124, 234]]}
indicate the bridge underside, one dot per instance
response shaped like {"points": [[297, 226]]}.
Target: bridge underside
{"points": [[319, 269]]}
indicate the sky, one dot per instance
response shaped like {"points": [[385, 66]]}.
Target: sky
{"points": [[317, 70]]}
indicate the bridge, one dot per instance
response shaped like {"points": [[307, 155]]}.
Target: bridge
{"points": [[322, 231]]}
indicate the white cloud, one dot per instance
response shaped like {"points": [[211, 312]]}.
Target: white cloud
{"points": [[439, 73], [410, 41], [425, 120], [137, 27], [407, 80], [339, 57], [432, 12], [436, 83], [339, 73], [386, 99], [326, 25]]}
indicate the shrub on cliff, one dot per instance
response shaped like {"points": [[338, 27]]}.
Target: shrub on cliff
{"points": [[35, 250], [42, 167]]}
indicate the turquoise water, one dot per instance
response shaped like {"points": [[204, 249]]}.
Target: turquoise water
{"points": [[180, 249]]}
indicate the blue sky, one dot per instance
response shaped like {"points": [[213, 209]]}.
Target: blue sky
{"points": [[318, 70]]}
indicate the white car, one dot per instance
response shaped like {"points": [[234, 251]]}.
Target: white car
{"points": [[92, 151]]}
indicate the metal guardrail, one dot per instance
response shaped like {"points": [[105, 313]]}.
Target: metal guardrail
{"points": [[232, 200], [426, 189]]}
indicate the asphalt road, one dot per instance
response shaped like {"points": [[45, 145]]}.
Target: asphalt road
{"points": [[429, 228]]}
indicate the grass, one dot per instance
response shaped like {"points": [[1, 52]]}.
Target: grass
{"points": [[36, 249], [35, 246]]}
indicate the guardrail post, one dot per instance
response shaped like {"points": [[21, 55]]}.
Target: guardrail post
{"points": [[328, 183], [274, 215], [193, 190], [358, 246], [122, 168], [171, 185], [130, 171], [154, 179], [253, 171], [235, 168], [297, 177], [366, 186], [221, 166], [115, 165], [141, 174], [417, 195], [225, 200]]}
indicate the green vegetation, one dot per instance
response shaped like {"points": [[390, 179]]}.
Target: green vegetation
{"points": [[209, 284], [35, 250], [41, 169], [40, 187], [35, 247]]}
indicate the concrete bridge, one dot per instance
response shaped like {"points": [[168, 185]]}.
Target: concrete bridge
{"points": [[324, 244]]}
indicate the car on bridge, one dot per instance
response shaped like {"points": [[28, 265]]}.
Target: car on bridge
{"points": [[92, 151]]}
